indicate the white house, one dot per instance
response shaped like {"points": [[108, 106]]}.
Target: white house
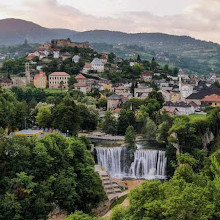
{"points": [[185, 89], [76, 58], [166, 95], [132, 63], [87, 67], [97, 65], [56, 54], [81, 87]]}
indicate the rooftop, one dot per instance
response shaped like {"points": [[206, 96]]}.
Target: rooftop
{"points": [[177, 104], [5, 80], [28, 132], [59, 74], [80, 76], [211, 98], [79, 85], [114, 97]]}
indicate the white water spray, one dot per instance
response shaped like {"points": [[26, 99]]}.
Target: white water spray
{"points": [[147, 164]]}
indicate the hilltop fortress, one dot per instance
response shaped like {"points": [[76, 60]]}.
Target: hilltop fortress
{"points": [[61, 43]]}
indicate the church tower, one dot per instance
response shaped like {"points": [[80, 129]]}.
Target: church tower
{"points": [[27, 73]]}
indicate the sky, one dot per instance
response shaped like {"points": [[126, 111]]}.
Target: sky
{"points": [[196, 18]]}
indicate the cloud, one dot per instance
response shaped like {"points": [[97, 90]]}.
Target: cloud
{"points": [[201, 20]]}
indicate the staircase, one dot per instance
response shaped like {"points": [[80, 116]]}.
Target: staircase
{"points": [[112, 189]]}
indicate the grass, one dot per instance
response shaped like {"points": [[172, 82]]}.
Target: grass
{"points": [[197, 116]]}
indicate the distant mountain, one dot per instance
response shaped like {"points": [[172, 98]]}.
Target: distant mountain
{"points": [[15, 31], [193, 55]]}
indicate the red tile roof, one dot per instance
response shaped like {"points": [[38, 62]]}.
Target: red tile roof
{"points": [[59, 74], [42, 74], [79, 85], [88, 65], [117, 110], [211, 98], [80, 76]]}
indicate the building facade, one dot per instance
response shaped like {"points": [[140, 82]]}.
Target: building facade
{"points": [[97, 65], [58, 80], [40, 80]]}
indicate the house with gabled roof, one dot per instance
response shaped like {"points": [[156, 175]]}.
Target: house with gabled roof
{"points": [[115, 101], [87, 67], [80, 78], [5, 82], [97, 65], [213, 100], [75, 58]]}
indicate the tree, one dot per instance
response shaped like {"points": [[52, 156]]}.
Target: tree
{"points": [[110, 123], [88, 117], [61, 85], [71, 82], [125, 119], [138, 58], [156, 95], [163, 132], [33, 172], [149, 130], [102, 102], [130, 136], [216, 83], [136, 71], [12, 112], [66, 116], [44, 117]]}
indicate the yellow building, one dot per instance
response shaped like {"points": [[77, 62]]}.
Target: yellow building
{"points": [[40, 80], [175, 97], [107, 86]]}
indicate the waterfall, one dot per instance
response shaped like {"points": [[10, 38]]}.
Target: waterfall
{"points": [[110, 159], [147, 164]]}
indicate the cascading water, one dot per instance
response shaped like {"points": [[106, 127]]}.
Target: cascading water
{"points": [[147, 164]]}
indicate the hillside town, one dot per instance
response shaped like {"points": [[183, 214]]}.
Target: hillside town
{"points": [[109, 110], [183, 94]]}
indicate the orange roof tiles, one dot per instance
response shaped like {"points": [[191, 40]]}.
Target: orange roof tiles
{"points": [[59, 74], [42, 74], [211, 98], [80, 76], [79, 85], [117, 110]]}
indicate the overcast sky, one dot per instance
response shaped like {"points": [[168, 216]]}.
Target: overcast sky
{"points": [[196, 18]]}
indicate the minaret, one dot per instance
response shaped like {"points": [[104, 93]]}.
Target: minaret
{"points": [[27, 73], [180, 83]]}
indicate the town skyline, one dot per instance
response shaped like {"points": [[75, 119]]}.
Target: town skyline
{"points": [[195, 18]]}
